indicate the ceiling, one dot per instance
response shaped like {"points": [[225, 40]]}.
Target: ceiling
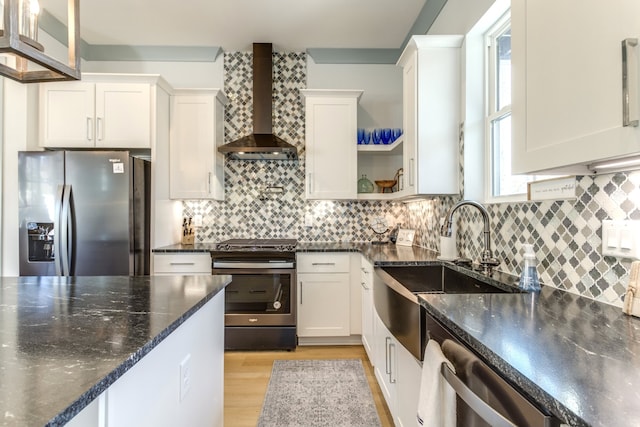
{"points": [[233, 25]]}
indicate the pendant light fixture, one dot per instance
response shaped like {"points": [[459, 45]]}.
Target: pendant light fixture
{"points": [[22, 58]]}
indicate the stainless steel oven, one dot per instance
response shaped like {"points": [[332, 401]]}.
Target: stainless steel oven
{"points": [[260, 301]]}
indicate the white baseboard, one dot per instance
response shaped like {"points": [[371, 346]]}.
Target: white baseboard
{"points": [[350, 340]]}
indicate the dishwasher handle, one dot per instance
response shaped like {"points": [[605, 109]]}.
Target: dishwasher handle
{"points": [[479, 406]]}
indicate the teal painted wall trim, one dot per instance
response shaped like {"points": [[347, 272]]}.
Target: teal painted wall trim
{"points": [[354, 56], [425, 19], [150, 53]]}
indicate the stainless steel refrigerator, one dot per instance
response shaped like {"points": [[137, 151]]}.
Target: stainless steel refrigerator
{"points": [[84, 213]]}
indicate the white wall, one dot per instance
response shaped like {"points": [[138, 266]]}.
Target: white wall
{"points": [[381, 102], [20, 132]]}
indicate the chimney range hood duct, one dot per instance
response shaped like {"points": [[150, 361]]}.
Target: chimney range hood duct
{"points": [[262, 144]]}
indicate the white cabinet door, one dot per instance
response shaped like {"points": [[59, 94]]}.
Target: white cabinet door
{"points": [[123, 115], [323, 304], [567, 90], [196, 166], [95, 115], [408, 388], [331, 143], [384, 363], [368, 339], [67, 117], [431, 114]]}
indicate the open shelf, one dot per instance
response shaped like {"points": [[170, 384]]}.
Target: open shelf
{"points": [[381, 147]]}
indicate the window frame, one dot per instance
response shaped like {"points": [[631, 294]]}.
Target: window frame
{"points": [[491, 113]]}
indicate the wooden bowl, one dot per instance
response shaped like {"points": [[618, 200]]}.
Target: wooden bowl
{"points": [[386, 184]]}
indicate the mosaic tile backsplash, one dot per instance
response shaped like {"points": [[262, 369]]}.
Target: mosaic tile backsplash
{"points": [[566, 234]]}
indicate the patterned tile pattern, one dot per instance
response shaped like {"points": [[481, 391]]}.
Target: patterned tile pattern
{"points": [[250, 211], [566, 234]]}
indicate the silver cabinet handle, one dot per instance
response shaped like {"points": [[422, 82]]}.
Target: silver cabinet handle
{"points": [[209, 182], [323, 263], [479, 406], [182, 263], [100, 128], [301, 292], [387, 369], [629, 82], [89, 129], [309, 186], [392, 350]]}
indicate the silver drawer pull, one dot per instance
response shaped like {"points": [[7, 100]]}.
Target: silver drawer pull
{"points": [[323, 263], [479, 406], [183, 263]]}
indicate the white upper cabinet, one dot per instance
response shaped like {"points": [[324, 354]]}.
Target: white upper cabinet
{"points": [[101, 111], [431, 114], [331, 143], [567, 83], [196, 168]]}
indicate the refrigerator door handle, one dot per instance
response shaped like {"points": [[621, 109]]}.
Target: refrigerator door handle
{"points": [[58, 231], [66, 238]]}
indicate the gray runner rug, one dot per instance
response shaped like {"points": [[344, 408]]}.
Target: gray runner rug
{"points": [[318, 393]]}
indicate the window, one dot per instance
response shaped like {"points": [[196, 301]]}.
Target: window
{"points": [[501, 183]]}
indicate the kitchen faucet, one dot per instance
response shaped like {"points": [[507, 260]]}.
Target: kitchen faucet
{"points": [[487, 261]]}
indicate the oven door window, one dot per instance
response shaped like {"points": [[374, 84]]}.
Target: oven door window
{"points": [[263, 293]]}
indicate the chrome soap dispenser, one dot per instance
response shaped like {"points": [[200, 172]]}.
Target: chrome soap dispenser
{"points": [[529, 281]]}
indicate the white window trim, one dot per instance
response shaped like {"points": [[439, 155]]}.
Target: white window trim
{"points": [[489, 113]]}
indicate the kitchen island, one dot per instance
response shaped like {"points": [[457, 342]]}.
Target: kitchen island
{"points": [[65, 343]]}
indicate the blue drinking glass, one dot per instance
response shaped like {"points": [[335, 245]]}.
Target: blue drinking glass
{"points": [[367, 137], [386, 136], [360, 135], [376, 136], [395, 134]]}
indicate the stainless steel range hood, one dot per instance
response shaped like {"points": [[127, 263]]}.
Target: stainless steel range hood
{"points": [[262, 144]]}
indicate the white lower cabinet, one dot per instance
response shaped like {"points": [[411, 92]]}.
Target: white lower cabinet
{"points": [[191, 263], [398, 374], [324, 286]]}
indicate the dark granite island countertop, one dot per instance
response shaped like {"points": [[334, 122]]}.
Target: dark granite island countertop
{"points": [[63, 341], [577, 357]]}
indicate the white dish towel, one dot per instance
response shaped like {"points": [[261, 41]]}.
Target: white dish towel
{"points": [[437, 400]]}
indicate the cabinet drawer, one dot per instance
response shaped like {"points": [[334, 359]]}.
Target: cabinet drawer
{"points": [[329, 262], [182, 263]]}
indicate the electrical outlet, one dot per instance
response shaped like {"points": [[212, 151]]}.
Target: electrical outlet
{"points": [[308, 220], [197, 220], [185, 376]]}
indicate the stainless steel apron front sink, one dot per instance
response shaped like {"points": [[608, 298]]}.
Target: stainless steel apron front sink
{"points": [[395, 292]]}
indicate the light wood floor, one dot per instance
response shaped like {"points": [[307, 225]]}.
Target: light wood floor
{"points": [[246, 376]]}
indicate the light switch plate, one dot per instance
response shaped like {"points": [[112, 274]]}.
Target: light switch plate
{"points": [[621, 239]]}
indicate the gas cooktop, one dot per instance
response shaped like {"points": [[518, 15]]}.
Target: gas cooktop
{"points": [[247, 245]]}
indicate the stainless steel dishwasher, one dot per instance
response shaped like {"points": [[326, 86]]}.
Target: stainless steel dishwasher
{"points": [[484, 399]]}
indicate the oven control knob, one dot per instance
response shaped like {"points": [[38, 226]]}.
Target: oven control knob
{"points": [[277, 305]]}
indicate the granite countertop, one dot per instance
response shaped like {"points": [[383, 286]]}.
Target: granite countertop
{"points": [[378, 254], [64, 340], [577, 357]]}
